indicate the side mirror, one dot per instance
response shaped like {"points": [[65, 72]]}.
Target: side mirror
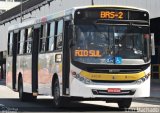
{"points": [[152, 44]]}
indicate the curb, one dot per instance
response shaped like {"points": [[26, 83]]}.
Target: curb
{"points": [[148, 99]]}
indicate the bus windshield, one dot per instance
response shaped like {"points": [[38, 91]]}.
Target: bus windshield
{"points": [[111, 44]]}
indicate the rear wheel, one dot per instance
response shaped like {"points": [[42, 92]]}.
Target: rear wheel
{"points": [[56, 94], [124, 103], [24, 96]]}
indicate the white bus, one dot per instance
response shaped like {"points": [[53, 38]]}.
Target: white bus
{"points": [[84, 53]]}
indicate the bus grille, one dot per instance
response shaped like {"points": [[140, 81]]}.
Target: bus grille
{"points": [[111, 81], [104, 92]]}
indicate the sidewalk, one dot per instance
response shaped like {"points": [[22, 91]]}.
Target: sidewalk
{"points": [[6, 93], [155, 88]]}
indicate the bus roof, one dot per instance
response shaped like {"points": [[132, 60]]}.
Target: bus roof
{"points": [[67, 12], [43, 19], [114, 6]]}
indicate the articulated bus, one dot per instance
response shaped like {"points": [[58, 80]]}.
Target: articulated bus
{"points": [[83, 53]]}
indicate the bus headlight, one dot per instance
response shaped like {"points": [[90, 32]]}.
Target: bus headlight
{"points": [[143, 79], [81, 78]]}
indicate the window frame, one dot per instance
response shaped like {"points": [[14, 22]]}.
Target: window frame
{"points": [[18, 42], [51, 37], [42, 38], [26, 40], [21, 42], [59, 34]]}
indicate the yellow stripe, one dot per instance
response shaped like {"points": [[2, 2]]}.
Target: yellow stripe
{"points": [[113, 77]]}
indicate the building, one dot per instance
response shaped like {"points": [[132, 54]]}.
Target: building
{"points": [[4, 6], [38, 8], [8, 4]]}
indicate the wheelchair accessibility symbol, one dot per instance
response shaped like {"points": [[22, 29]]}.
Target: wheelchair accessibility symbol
{"points": [[110, 59], [118, 60]]}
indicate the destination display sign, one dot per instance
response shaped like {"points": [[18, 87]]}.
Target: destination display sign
{"points": [[110, 14], [87, 53]]}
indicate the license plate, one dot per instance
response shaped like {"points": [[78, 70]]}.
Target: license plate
{"points": [[114, 90]]}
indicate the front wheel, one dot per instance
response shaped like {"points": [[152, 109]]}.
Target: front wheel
{"points": [[59, 101], [56, 94], [125, 103]]}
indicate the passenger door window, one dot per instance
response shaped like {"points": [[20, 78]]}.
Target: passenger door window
{"points": [[50, 38], [43, 45], [28, 40], [59, 35], [22, 37]]}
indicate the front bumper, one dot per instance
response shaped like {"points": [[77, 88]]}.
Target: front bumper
{"points": [[99, 90]]}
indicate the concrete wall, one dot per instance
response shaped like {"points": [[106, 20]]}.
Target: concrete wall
{"points": [[58, 5], [8, 5]]}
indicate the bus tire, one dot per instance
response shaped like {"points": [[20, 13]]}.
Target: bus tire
{"points": [[56, 94], [125, 103], [24, 96]]}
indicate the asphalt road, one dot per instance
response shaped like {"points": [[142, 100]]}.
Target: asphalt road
{"points": [[9, 103], [45, 105]]}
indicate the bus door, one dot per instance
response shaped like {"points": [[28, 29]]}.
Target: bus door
{"points": [[14, 60], [36, 35], [66, 59]]}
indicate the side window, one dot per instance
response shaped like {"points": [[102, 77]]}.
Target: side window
{"points": [[50, 36], [59, 35], [10, 43], [28, 40], [43, 36], [22, 37], [25, 40]]}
